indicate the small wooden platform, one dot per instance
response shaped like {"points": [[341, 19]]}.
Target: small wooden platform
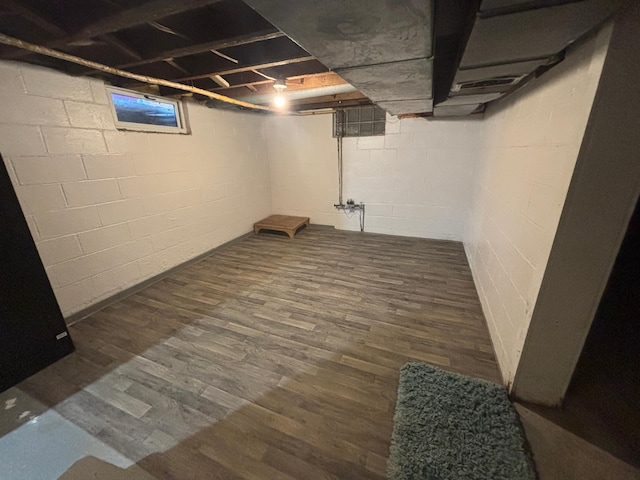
{"points": [[281, 223]]}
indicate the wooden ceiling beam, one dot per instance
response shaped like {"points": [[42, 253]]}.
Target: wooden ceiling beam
{"points": [[205, 47], [248, 68], [259, 36], [244, 84], [15, 42], [49, 26], [119, 45], [298, 82], [220, 81], [149, 11], [325, 78], [34, 18], [169, 61]]}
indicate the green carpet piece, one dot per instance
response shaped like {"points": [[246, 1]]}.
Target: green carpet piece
{"points": [[452, 427]]}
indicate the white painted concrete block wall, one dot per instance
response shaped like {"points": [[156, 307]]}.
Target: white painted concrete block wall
{"points": [[108, 208], [415, 180], [524, 163], [304, 167]]}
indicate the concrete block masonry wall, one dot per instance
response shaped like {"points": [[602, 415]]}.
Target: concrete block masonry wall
{"points": [[415, 180], [523, 167], [498, 183], [304, 167], [109, 209]]}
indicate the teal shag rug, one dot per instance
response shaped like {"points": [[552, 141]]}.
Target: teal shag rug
{"points": [[452, 427]]}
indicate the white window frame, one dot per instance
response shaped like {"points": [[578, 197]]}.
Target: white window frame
{"points": [[142, 127]]}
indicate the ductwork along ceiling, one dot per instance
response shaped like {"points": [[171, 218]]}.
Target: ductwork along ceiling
{"points": [[418, 57], [391, 51]]}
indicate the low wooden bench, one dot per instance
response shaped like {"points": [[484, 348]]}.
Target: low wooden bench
{"points": [[281, 223]]}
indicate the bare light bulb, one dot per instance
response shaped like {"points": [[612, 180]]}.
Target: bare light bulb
{"points": [[279, 101]]}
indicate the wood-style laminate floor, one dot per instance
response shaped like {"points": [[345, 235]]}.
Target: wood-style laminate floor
{"points": [[272, 358]]}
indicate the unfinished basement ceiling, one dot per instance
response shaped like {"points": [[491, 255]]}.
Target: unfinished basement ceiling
{"points": [[426, 57]]}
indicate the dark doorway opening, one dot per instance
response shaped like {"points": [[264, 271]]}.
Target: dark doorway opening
{"points": [[603, 401]]}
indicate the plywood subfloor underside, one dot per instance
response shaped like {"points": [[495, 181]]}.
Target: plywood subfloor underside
{"points": [[271, 359]]}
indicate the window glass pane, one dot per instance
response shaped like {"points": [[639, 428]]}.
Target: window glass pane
{"points": [[359, 121], [352, 130], [379, 114], [353, 114], [366, 114], [144, 111], [366, 128], [378, 128]]}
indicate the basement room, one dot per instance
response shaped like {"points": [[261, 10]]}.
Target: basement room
{"points": [[349, 240]]}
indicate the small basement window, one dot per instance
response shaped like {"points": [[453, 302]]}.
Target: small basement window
{"points": [[364, 121], [147, 113]]}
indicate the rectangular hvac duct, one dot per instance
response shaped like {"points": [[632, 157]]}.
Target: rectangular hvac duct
{"points": [[383, 48], [496, 78], [492, 5], [399, 107], [455, 110], [350, 33], [471, 99], [408, 80], [516, 69], [532, 34]]}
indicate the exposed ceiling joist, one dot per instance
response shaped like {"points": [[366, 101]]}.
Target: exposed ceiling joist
{"points": [[163, 28], [248, 68], [264, 75], [34, 18], [123, 47], [253, 86], [222, 55], [149, 11], [171, 62], [131, 17], [220, 81], [385, 49], [14, 42], [56, 30], [201, 48], [205, 47], [299, 82]]}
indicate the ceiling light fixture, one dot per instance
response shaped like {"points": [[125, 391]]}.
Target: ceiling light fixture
{"points": [[279, 101], [279, 86]]}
